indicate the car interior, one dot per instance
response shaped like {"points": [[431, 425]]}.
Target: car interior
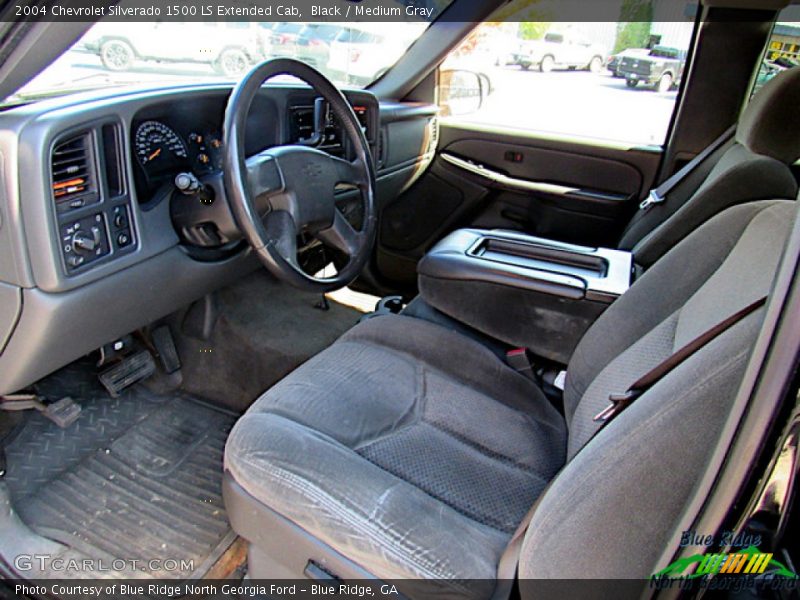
{"points": [[550, 384]]}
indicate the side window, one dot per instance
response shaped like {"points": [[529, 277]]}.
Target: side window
{"points": [[783, 49], [614, 82]]}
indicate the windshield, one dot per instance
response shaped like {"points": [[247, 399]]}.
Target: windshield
{"points": [[125, 53]]}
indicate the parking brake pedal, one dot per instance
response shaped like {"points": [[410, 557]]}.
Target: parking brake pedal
{"points": [[63, 412], [130, 370]]}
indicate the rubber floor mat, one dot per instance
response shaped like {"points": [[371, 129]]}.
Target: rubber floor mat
{"points": [[137, 478]]}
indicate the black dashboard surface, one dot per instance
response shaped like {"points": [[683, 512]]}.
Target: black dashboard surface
{"points": [[186, 135], [134, 267]]}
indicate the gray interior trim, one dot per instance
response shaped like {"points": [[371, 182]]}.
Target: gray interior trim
{"points": [[10, 309], [54, 329]]}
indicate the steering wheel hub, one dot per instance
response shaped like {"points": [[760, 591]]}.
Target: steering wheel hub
{"points": [[288, 190]]}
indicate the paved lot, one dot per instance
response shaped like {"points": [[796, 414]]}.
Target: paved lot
{"points": [[575, 103]]}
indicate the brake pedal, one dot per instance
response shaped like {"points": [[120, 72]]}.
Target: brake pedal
{"points": [[165, 347], [63, 412], [129, 371]]}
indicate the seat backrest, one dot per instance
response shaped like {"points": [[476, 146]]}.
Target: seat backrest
{"points": [[755, 165], [652, 454]]}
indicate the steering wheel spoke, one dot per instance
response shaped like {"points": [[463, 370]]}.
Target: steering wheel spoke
{"points": [[282, 235], [350, 171], [263, 177], [341, 235]]}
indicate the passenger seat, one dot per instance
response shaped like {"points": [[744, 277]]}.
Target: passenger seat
{"points": [[754, 165]]}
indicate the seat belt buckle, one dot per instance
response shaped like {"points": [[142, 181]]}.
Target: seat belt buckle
{"points": [[519, 359], [619, 402], [560, 382], [653, 198]]}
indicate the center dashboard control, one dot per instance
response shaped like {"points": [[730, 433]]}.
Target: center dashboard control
{"points": [[121, 232], [89, 239], [84, 240]]}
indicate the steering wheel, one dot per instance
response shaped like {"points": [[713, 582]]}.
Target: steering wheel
{"points": [[288, 190]]}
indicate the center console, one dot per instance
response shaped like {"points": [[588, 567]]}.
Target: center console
{"points": [[526, 291]]}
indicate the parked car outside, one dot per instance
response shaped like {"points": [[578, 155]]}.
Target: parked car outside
{"points": [[313, 43], [661, 68], [229, 48], [612, 63], [561, 51], [361, 52], [283, 38]]}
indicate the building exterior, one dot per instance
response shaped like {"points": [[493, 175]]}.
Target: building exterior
{"points": [[785, 42]]}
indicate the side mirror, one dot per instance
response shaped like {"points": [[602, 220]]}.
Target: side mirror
{"points": [[462, 92]]}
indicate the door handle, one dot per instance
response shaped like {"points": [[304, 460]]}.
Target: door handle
{"points": [[505, 181]]}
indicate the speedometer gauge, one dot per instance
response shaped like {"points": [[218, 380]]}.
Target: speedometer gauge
{"points": [[157, 146]]}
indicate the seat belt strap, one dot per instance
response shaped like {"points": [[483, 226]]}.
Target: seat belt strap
{"points": [[659, 194], [619, 402], [509, 560]]}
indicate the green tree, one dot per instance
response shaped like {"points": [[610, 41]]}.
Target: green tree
{"points": [[635, 18], [533, 30], [528, 13]]}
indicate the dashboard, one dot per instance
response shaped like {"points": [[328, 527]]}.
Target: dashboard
{"points": [[171, 137], [89, 247]]}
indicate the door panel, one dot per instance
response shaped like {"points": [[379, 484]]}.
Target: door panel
{"points": [[560, 189]]}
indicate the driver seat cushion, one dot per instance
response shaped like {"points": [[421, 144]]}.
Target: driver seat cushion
{"points": [[405, 446]]}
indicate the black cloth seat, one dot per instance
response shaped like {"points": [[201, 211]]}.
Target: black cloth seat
{"points": [[413, 451]]}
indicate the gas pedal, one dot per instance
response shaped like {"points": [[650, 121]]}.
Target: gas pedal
{"points": [[129, 371]]}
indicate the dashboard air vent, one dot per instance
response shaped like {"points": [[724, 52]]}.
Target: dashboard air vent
{"points": [[74, 182], [112, 159], [301, 126], [381, 158]]}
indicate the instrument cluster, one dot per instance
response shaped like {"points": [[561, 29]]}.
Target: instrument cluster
{"points": [[162, 151]]}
